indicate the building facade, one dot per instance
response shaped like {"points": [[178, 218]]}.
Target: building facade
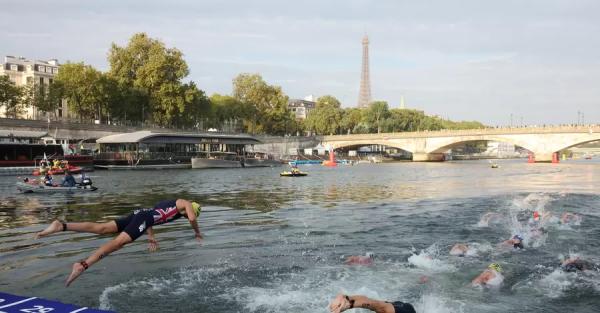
{"points": [[301, 107], [24, 72]]}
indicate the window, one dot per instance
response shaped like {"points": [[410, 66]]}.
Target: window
{"points": [[41, 68], [50, 80], [55, 70], [29, 80], [14, 67], [41, 80]]}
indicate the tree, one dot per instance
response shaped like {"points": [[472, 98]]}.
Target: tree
{"points": [[271, 114], [326, 118], [328, 100], [86, 90], [227, 110], [10, 97], [148, 66], [351, 118], [376, 114], [45, 98]]}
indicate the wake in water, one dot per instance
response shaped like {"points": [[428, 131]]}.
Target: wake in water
{"points": [[429, 259]]}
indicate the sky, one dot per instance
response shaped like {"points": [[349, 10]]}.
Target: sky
{"points": [[535, 61]]}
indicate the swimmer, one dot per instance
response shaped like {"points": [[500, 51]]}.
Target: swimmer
{"points": [[516, 241], [575, 264], [536, 233], [360, 259], [459, 249], [490, 277], [567, 218], [342, 303], [130, 227]]}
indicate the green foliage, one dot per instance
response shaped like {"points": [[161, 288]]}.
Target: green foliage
{"points": [[85, 89], [267, 105], [43, 98], [328, 100], [326, 118], [154, 73], [10, 97], [375, 115]]}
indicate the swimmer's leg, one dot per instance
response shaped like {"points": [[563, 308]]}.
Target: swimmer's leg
{"points": [[86, 227], [106, 249]]}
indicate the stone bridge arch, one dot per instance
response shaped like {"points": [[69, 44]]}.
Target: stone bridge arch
{"points": [[441, 145], [406, 146]]}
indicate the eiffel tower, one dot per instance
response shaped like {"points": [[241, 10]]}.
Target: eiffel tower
{"points": [[364, 96]]}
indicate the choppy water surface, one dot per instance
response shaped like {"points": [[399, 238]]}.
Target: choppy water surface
{"points": [[277, 244]]}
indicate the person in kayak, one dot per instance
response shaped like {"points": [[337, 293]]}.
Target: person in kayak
{"points": [[68, 180], [48, 180], [342, 303], [130, 227]]}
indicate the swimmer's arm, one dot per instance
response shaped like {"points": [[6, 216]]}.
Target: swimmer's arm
{"points": [[151, 239], [371, 304], [191, 215], [481, 279]]}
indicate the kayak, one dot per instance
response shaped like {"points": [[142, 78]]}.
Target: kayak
{"points": [[290, 174], [27, 188]]}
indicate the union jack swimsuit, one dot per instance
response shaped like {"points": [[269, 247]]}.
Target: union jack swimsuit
{"points": [[165, 211]]}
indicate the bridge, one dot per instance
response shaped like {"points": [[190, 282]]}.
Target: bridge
{"points": [[543, 142]]}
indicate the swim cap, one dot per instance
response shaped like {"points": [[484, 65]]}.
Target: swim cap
{"points": [[496, 267], [518, 237], [370, 254], [536, 215], [196, 208]]}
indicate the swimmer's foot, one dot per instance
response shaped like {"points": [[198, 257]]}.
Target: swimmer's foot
{"points": [[78, 269], [55, 227]]}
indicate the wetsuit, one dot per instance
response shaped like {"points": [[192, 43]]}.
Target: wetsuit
{"points": [[136, 223], [401, 307]]}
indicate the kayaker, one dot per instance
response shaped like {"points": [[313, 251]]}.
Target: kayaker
{"points": [[130, 227], [68, 180], [48, 180], [342, 303]]}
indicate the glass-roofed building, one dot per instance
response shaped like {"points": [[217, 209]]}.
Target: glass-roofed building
{"points": [[146, 149]]}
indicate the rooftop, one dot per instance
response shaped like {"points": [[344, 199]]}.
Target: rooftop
{"points": [[146, 136]]}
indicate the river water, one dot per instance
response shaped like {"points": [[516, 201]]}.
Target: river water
{"points": [[277, 244]]}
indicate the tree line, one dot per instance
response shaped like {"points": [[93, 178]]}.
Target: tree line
{"points": [[329, 117], [145, 85]]}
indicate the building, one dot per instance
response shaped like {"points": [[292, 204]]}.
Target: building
{"points": [[301, 107], [24, 72]]}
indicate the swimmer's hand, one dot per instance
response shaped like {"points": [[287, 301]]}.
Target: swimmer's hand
{"points": [[152, 245], [339, 304], [199, 236]]}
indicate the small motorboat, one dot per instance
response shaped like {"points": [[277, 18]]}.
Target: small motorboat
{"points": [[29, 186], [495, 165], [292, 174]]}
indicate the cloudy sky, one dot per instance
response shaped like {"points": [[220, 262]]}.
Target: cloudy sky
{"points": [[538, 61]]}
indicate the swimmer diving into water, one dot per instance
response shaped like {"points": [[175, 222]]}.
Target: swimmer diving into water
{"points": [[130, 227], [342, 303]]}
